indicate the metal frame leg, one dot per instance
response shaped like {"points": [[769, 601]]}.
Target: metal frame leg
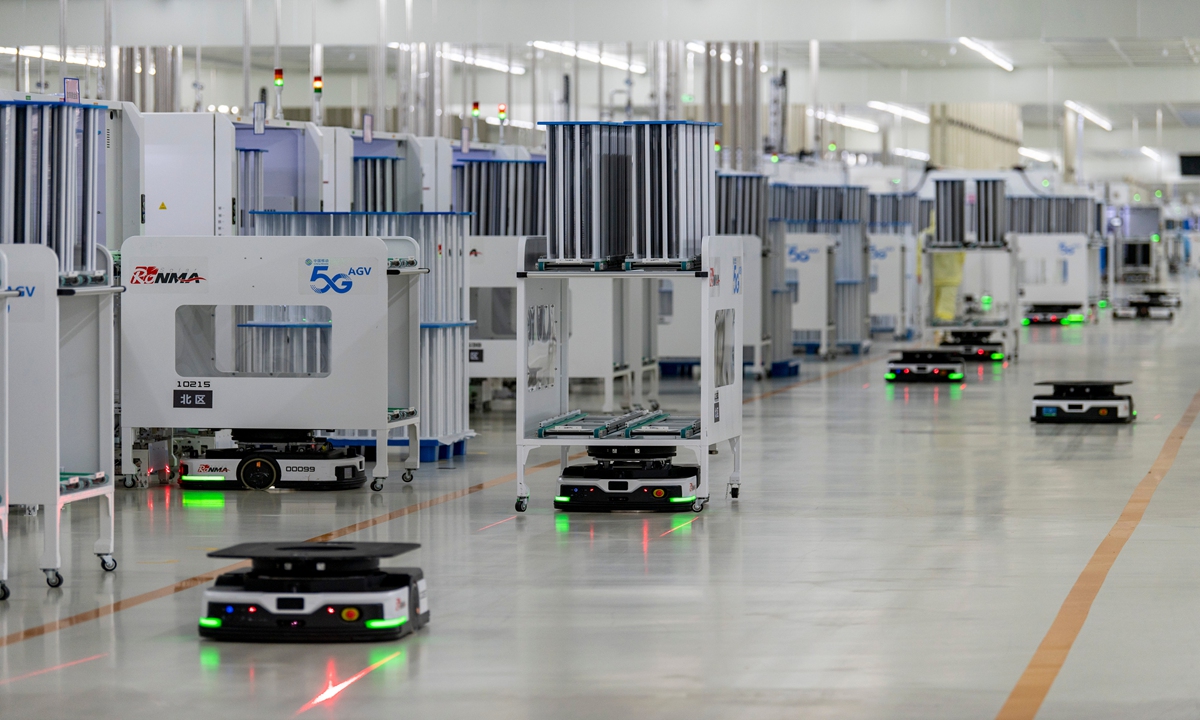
{"points": [[735, 477], [51, 556], [381, 468], [522, 488], [412, 461], [608, 393], [105, 544], [127, 451]]}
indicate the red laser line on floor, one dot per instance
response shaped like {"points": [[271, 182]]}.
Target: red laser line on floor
{"points": [[332, 691], [485, 527], [43, 671], [681, 525]]}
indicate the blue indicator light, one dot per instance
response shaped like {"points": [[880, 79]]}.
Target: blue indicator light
{"points": [[229, 609]]}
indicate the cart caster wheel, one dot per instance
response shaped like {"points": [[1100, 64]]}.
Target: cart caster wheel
{"points": [[407, 476], [129, 482], [377, 485], [4, 593], [733, 492], [698, 506], [108, 562], [522, 504], [53, 578]]}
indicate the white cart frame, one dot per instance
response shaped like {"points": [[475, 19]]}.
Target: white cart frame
{"points": [[62, 342], [543, 388], [811, 259], [1005, 290], [5, 297]]}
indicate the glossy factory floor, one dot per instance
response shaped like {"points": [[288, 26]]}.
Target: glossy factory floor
{"points": [[896, 553]]}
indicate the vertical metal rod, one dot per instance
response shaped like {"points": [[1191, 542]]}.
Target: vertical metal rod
{"points": [[247, 106], [377, 87], [533, 85], [278, 58], [600, 81], [108, 76]]}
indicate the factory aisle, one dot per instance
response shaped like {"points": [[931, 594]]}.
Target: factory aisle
{"points": [[897, 552]]}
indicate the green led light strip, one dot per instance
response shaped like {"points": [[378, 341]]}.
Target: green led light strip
{"points": [[210, 622], [890, 376], [386, 624], [562, 498], [202, 478], [955, 376], [686, 499]]}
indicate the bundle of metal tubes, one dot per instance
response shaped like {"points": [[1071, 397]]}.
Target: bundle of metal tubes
{"points": [[674, 190], [742, 204], [951, 210], [1033, 215], [505, 197], [378, 184], [893, 213], [589, 170], [50, 178], [818, 206], [250, 187], [991, 213]]}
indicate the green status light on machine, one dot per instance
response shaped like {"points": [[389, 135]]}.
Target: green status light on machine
{"points": [[986, 302], [832, 147], [1024, 321], [1137, 197], [997, 356], [1103, 304], [955, 376], [1045, 183], [774, 157], [1158, 193], [1155, 237], [890, 376]]}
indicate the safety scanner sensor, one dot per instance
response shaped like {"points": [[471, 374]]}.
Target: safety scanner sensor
{"points": [[1083, 401], [315, 592]]}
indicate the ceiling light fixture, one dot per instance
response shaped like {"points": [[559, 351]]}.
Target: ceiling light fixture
{"points": [[1151, 154], [911, 154], [606, 60], [900, 110], [987, 52], [1035, 155], [483, 63], [1090, 114], [850, 122]]}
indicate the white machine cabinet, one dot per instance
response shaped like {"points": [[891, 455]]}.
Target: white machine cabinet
{"points": [[810, 271], [303, 333], [1059, 269], [191, 174], [894, 293], [543, 335]]}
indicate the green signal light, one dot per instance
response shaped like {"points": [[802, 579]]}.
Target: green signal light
{"points": [[1135, 413], [986, 302], [1137, 197], [562, 498], [955, 376], [683, 499], [1045, 183], [1024, 321], [997, 356], [1158, 193], [1103, 304], [832, 147], [895, 181], [210, 622], [717, 147], [774, 158], [890, 376], [1155, 237], [385, 624]]}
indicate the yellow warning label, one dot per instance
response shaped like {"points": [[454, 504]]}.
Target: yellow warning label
{"points": [[162, 206]]}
